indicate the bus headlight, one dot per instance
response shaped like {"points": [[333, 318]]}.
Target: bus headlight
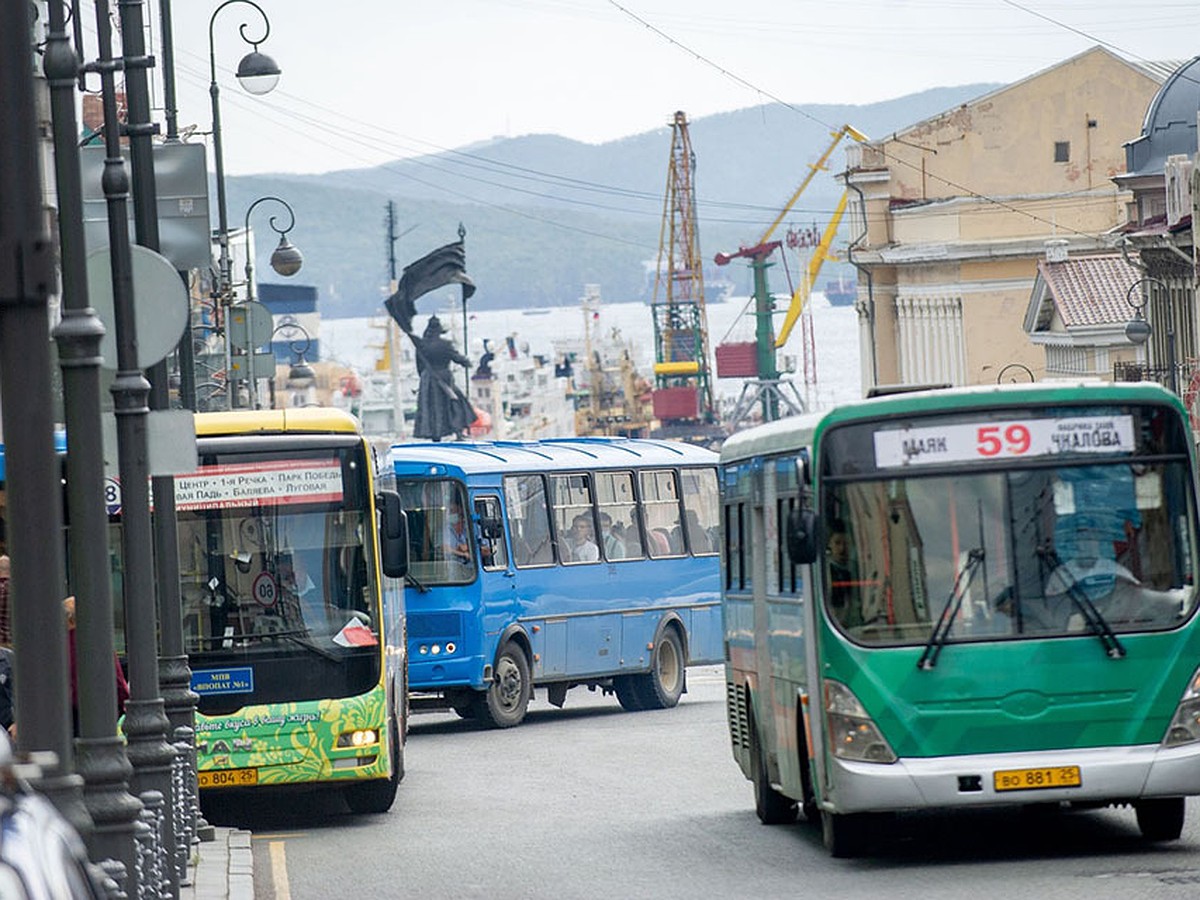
{"points": [[852, 734], [1185, 726], [362, 738]]}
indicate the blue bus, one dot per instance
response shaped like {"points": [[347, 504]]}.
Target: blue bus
{"points": [[556, 564]]}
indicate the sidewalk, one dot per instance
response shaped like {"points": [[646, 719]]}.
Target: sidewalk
{"points": [[225, 870]]}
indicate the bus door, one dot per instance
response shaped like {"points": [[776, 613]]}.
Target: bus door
{"points": [[497, 579]]}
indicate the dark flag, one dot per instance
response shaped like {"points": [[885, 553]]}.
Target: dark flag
{"points": [[445, 265]]}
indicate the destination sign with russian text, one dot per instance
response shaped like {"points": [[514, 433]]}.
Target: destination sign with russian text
{"points": [[278, 482], [1012, 439]]}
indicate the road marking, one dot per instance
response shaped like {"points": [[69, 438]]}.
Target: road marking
{"points": [[279, 879]]}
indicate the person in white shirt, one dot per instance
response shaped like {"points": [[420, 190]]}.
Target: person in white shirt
{"points": [[580, 540]]}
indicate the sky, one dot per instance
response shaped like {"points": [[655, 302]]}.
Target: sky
{"points": [[369, 81]]}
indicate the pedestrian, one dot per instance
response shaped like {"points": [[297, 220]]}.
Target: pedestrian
{"points": [[122, 683]]}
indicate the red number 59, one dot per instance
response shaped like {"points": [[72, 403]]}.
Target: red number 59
{"points": [[988, 442]]}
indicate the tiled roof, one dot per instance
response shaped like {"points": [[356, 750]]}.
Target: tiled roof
{"points": [[1090, 290]]}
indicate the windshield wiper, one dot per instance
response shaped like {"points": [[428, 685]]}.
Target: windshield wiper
{"points": [[411, 579], [950, 609], [1096, 621]]}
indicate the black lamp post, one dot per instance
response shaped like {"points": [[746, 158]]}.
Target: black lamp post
{"points": [[301, 375], [286, 259], [258, 74], [1138, 331]]}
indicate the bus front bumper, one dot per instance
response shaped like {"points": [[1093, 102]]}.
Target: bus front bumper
{"points": [[1106, 774]]}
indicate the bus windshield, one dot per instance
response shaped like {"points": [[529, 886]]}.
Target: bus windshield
{"points": [[441, 542], [1011, 553], [274, 565]]}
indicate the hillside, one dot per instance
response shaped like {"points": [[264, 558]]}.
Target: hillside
{"points": [[545, 215]]}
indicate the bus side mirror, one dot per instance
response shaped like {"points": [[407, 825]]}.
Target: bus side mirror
{"points": [[393, 535], [491, 528], [802, 536]]}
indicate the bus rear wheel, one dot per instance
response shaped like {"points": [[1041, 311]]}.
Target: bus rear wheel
{"points": [[1160, 819], [772, 807], [379, 795], [506, 699], [626, 689], [662, 686]]}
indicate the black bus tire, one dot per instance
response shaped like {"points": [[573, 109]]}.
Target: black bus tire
{"points": [[662, 686], [772, 807], [628, 695], [378, 796], [1160, 819], [506, 699]]}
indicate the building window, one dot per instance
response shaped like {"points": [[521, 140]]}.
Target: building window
{"points": [[1062, 151]]}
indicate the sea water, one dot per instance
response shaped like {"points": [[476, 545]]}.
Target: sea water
{"points": [[356, 343]]}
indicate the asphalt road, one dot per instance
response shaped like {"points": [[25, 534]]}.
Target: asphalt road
{"points": [[590, 801]]}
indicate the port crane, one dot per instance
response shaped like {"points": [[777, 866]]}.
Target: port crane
{"points": [[764, 385], [683, 395]]}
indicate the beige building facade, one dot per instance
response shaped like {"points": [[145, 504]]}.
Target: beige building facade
{"points": [[951, 216]]}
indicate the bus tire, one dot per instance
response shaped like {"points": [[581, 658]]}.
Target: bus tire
{"points": [[504, 703], [844, 836], [628, 695], [372, 797], [662, 686], [462, 701], [1160, 819], [772, 807]]}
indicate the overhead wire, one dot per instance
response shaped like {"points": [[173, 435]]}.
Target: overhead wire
{"points": [[763, 92]]}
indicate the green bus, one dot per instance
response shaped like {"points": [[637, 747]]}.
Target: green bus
{"points": [[290, 559], [965, 597]]}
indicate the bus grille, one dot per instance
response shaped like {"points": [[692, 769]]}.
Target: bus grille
{"points": [[739, 726], [425, 626]]}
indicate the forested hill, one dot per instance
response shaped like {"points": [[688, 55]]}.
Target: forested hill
{"points": [[545, 215]]}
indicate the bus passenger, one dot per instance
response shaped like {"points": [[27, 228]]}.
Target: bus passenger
{"points": [[580, 540], [454, 536], [614, 547]]}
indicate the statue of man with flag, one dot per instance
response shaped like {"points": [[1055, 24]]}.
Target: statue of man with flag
{"points": [[442, 408]]}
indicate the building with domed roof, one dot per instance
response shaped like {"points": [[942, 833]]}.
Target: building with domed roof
{"points": [[1158, 237]]}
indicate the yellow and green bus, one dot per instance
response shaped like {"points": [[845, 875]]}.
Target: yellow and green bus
{"points": [[970, 597], [291, 556]]}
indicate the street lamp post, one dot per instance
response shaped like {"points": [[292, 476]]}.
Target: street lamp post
{"points": [[301, 374], [1138, 330], [286, 260], [258, 74]]}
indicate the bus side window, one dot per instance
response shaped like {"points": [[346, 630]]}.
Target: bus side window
{"points": [[574, 518], [701, 509], [620, 534], [660, 506], [493, 551], [528, 520]]}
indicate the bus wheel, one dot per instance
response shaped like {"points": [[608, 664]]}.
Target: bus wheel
{"points": [[844, 836], [626, 688], [772, 807], [1161, 819], [661, 687], [378, 796], [462, 702], [504, 703]]}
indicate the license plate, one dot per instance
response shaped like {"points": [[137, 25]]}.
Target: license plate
{"points": [[223, 778], [1037, 779]]}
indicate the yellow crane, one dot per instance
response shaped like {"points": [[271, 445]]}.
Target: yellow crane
{"points": [[767, 381]]}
